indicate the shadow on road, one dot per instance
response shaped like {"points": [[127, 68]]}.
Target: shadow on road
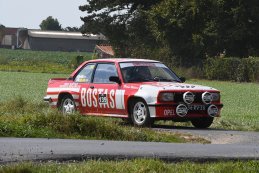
{"points": [[179, 127]]}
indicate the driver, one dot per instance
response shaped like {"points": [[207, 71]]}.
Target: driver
{"points": [[142, 73]]}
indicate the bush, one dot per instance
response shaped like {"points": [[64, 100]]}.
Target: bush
{"points": [[76, 61], [233, 69], [189, 73], [22, 118]]}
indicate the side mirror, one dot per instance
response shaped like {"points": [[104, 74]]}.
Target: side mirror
{"points": [[182, 79], [115, 79]]}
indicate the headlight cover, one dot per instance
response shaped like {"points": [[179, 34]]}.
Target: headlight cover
{"points": [[166, 97], [215, 97]]}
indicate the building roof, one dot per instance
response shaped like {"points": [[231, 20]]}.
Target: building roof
{"points": [[10, 31], [106, 49], [63, 34]]}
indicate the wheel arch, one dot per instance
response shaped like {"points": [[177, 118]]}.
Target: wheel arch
{"points": [[61, 96], [148, 122], [130, 102]]}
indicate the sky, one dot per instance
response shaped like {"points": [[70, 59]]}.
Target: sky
{"points": [[30, 13]]}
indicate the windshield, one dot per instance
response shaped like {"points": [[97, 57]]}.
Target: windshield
{"points": [[147, 71]]}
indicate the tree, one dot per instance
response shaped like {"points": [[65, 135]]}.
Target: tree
{"points": [[72, 29], [188, 30], [238, 24], [196, 28], [2, 32], [116, 19], [186, 26], [50, 24]]}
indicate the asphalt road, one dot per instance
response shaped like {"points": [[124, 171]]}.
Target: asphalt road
{"points": [[24, 149]]}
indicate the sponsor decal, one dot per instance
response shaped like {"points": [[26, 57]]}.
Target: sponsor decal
{"points": [[102, 98], [69, 85], [169, 112]]}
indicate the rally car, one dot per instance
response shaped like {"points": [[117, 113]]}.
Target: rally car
{"points": [[138, 90]]}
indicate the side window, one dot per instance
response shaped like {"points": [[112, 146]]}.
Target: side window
{"points": [[85, 74], [103, 73]]}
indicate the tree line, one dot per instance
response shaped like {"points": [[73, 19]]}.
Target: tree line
{"points": [[183, 31], [53, 24]]}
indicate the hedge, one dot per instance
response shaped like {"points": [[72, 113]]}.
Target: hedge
{"points": [[233, 69]]}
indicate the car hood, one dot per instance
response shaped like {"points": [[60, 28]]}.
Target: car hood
{"points": [[172, 86]]}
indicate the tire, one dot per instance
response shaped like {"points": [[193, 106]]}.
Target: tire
{"points": [[67, 105], [139, 114], [127, 121], [202, 123]]}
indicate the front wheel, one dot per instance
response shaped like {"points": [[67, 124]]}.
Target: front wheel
{"points": [[140, 115], [202, 123], [67, 105]]}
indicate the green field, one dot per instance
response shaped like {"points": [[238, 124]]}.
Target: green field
{"points": [[240, 112], [135, 166], [31, 86], [7, 55], [40, 61], [241, 104]]}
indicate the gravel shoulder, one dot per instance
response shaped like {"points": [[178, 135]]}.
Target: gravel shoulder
{"points": [[216, 136]]}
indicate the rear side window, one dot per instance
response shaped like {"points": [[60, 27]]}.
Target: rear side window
{"points": [[85, 74], [103, 72]]}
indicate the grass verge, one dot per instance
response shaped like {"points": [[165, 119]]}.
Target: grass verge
{"points": [[39, 61], [240, 111], [136, 166], [20, 118], [31, 86]]}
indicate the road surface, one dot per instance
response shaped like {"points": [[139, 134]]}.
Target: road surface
{"points": [[24, 149]]}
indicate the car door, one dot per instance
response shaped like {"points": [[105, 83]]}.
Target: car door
{"points": [[108, 97], [83, 79]]}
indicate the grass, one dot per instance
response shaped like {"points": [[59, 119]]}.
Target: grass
{"points": [[31, 86], [21, 118], [38, 56], [39, 61], [136, 166], [240, 112]]}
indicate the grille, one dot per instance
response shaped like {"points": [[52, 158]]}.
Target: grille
{"points": [[197, 99]]}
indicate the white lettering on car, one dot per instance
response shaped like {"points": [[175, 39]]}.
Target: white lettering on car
{"points": [[89, 97], [94, 98], [83, 101], [112, 92], [102, 98]]}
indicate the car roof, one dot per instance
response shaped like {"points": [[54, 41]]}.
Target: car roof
{"points": [[122, 60]]}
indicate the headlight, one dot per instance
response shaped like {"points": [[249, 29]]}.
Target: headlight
{"points": [[166, 97], [215, 97]]}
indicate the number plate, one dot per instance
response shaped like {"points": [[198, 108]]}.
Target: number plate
{"points": [[102, 98], [197, 107]]}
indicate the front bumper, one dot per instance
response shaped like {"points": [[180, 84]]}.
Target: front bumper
{"points": [[169, 111]]}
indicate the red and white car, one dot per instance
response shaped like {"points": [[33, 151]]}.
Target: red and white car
{"points": [[138, 90]]}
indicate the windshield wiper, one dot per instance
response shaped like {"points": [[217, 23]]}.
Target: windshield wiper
{"points": [[160, 79]]}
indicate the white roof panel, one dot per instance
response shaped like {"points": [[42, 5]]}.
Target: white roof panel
{"points": [[64, 34]]}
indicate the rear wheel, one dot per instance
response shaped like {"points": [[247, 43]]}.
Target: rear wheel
{"points": [[67, 105], [202, 123], [140, 115]]}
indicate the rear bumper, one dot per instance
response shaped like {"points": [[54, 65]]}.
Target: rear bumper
{"points": [[47, 99]]}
